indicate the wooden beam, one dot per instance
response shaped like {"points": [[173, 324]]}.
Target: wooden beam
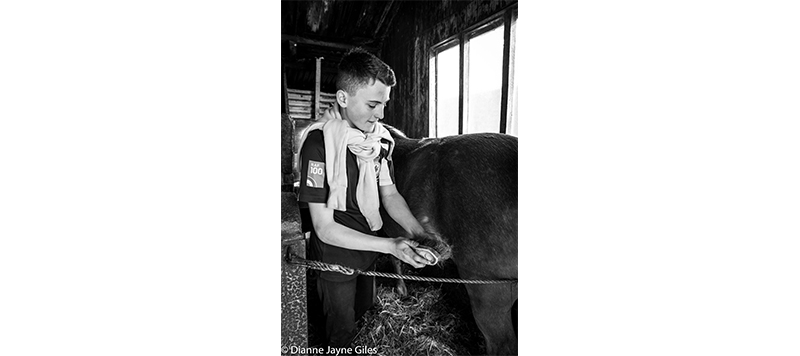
{"points": [[435, 100], [505, 91], [284, 92], [299, 97], [298, 91], [393, 13], [463, 83], [383, 16], [308, 41], [317, 84]]}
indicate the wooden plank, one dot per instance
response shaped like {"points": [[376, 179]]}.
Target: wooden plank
{"points": [[463, 83], [435, 78], [285, 93], [344, 46], [317, 82], [299, 103], [299, 97], [300, 116], [383, 16], [293, 109], [392, 14], [505, 90], [298, 91]]}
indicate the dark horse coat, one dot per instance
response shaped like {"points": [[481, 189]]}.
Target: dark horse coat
{"points": [[464, 188]]}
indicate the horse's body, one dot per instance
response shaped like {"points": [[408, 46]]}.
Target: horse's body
{"points": [[464, 188]]}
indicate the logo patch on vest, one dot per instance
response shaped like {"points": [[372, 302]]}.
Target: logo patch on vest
{"points": [[316, 174]]}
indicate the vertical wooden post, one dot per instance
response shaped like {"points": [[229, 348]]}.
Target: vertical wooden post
{"points": [[287, 153], [284, 92], [434, 101], [294, 309], [463, 83], [505, 89], [317, 81]]}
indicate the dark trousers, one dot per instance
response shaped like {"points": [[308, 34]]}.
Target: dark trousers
{"points": [[344, 303]]}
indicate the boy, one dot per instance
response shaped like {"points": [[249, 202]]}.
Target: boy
{"points": [[346, 174]]}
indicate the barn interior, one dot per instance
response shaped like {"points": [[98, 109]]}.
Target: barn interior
{"points": [[433, 48], [440, 51]]}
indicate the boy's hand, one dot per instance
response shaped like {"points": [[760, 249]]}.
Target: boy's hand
{"points": [[403, 249]]}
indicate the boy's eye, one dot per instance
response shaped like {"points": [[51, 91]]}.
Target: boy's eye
{"points": [[372, 106]]}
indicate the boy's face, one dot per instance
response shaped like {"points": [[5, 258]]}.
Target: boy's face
{"points": [[365, 108]]}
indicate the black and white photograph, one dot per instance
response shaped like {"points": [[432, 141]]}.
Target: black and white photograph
{"points": [[458, 177], [421, 258]]}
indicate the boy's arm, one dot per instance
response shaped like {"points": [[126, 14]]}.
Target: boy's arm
{"points": [[396, 206], [335, 234]]}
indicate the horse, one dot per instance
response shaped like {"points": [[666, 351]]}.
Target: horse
{"points": [[463, 189]]}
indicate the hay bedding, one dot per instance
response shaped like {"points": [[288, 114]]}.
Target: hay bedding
{"points": [[433, 319]]}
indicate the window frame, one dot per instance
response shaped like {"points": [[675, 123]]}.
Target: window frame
{"points": [[505, 18]]}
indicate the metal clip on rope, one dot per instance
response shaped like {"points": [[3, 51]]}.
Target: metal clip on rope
{"points": [[342, 269]]}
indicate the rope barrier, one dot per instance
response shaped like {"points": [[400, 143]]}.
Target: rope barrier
{"points": [[321, 266]]}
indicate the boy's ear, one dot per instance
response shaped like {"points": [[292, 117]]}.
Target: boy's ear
{"points": [[341, 98]]}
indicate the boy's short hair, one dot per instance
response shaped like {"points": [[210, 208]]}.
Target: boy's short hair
{"points": [[358, 68]]}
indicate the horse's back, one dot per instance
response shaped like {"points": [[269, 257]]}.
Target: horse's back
{"points": [[467, 186]]}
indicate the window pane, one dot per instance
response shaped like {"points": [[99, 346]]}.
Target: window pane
{"points": [[485, 81], [447, 92]]}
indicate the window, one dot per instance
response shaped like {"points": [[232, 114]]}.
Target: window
{"points": [[472, 86], [446, 84], [484, 80]]}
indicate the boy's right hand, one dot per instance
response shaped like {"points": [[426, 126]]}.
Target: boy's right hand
{"points": [[403, 249]]}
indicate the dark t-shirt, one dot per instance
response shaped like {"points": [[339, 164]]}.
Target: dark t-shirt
{"points": [[314, 189]]}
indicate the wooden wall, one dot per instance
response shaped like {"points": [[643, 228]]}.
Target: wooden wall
{"points": [[419, 26]]}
